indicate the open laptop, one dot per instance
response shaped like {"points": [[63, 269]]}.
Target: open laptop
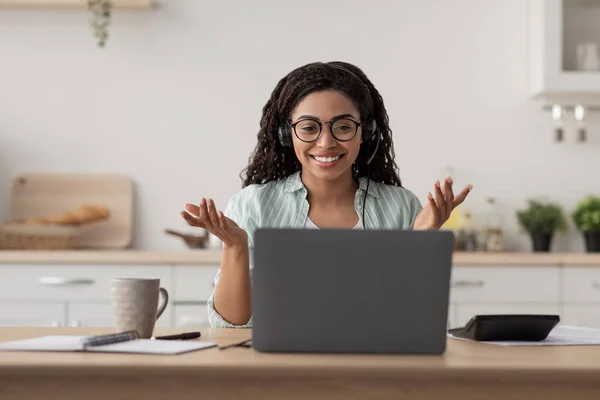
{"points": [[351, 291]]}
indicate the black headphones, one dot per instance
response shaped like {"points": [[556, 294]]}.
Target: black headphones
{"points": [[370, 131]]}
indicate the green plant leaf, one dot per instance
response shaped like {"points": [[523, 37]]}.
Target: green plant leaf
{"points": [[586, 214], [101, 14], [542, 217]]}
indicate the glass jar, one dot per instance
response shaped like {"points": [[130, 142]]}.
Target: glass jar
{"points": [[493, 226]]}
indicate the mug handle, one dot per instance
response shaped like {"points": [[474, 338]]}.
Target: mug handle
{"points": [[164, 297]]}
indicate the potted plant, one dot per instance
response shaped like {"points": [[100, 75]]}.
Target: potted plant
{"points": [[587, 219], [541, 220], [101, 13]]}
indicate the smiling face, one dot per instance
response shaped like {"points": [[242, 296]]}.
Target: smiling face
{"points": [[326, 158]]}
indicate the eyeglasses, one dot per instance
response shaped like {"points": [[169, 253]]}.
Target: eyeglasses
{"points": [[309, 130]]}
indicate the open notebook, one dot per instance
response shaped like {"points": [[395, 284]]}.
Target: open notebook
{"points": [[82, 343]]}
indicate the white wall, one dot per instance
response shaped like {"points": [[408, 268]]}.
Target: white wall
{"points": [[175, 98]]}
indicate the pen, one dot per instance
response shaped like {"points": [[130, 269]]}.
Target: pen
{"points": [[181, 336]]}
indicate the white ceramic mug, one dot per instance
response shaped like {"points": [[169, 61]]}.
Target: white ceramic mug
{"points": [[136, 304]]}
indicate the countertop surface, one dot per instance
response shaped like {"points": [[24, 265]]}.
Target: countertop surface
{"points": [[466, 371], [461, 357], [213, 257]]}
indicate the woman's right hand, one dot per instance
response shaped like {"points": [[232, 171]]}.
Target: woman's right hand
{"points": [[206, 216]]}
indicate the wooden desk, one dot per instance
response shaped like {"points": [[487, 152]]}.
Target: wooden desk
{"points": [[466, 371]]}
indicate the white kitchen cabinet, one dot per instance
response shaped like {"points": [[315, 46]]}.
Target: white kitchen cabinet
{"points": [[556, 28], [464, 312], [91, 314], [78, 294], [72, 282], [191, 315], [587, 315], [503, 289], [451, 316], [192, 286], [20, 313], [193, 282], [581, 296], [83, 292], [102, 315], [581, 284], [515, 284]]}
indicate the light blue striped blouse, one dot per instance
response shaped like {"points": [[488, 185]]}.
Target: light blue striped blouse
{"points": [[283, 204]]}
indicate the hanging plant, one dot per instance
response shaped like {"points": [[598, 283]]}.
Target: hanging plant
{"points": [[101, 12]]}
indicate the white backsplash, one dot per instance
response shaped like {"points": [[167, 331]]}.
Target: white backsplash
{"points": [[175, 98]]}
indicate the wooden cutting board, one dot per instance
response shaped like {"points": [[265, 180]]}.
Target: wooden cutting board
{"points": [[42, 194]]}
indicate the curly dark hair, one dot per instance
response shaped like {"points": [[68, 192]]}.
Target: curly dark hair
{"points": [[271, 161]]}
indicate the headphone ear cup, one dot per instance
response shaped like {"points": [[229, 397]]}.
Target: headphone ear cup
{"points": [[370, 131], [374, 131], [376, 146], [284, 134], [371, 140]]}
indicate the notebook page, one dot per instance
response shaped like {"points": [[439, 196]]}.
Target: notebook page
{"points": [[148, 346], [45, 343]]}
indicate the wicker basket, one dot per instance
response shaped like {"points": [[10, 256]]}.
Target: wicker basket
{"points": [[14, 236]]}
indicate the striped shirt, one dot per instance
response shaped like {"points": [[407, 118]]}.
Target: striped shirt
{"points": [[283, 204]]}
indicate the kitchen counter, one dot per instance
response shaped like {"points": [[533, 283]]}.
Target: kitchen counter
{"points": [[213, 256], [145, 257]]}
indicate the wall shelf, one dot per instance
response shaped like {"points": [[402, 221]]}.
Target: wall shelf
{"points": [[556, 28], [120, 4]]}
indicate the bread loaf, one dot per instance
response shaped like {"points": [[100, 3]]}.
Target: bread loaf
{"points": [[84, 214]]}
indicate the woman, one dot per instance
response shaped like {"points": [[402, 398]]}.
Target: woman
{"points": [[324, 159]]}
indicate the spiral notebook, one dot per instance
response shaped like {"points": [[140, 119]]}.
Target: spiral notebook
{"points": [[112, 343]]}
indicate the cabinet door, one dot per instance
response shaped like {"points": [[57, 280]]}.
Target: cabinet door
{"points": [[91, 314], [191, 315], [553, 68], [464, 312], [581, 284], [193, 283], [506, 283], [102, 315], [88, 283], [587, 315], [451, 316], [17, 313]]}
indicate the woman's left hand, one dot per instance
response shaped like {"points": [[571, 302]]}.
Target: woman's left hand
{"points": [[437, 211]]}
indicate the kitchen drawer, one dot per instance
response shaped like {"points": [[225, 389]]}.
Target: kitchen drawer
{"points": [[587, 315], [191, 315], [20, 313], [73, 282], [91, 314], [505, 284], [193, 282], [102, 315], [451, 316], [581, 284], [464, 312]]}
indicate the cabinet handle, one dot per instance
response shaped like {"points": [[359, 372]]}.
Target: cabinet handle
{"points": [[467, 283], [57, 281]]}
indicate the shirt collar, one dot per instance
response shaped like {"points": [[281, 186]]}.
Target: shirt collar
{"points": [[362, 185], [294, 183]]}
